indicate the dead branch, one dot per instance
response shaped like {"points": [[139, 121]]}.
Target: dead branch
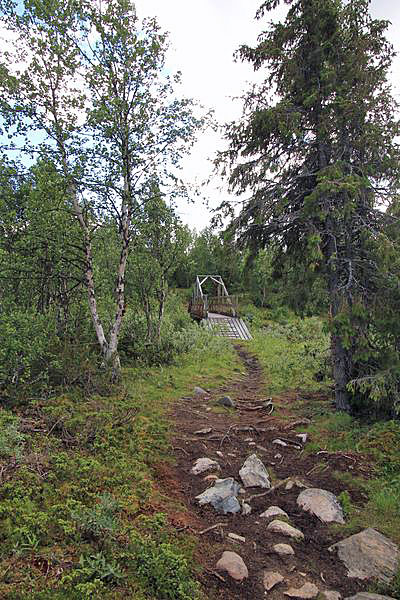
{"points": [[211, 528], [182, 449], [273, 489]]}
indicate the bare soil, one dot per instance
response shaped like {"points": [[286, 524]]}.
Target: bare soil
{"points": [[234, 433]]}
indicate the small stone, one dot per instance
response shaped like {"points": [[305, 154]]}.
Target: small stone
{"points": [[274, 511], [271, 579], [307, 591], [252, 444], [219, 453], [232, 454], [208, 409], [236, 538], [278, 456], [369, 555], [254, 474], [332, 595], [234, 565], [246, 509], [322, 504], [303, 437], [285, 529], [368, 596], [279, 442], [203, 431], [248, 440], [199, 391], [283, 549], [204, 464], [227, 401]]}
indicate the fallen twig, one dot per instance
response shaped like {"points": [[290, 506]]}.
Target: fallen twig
{"points": [[226, 435], [179, 448], [211, 528], [217, 575], [275, 487]]}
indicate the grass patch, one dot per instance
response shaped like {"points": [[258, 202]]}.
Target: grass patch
{"points": [[294, 355], [76, 504]]}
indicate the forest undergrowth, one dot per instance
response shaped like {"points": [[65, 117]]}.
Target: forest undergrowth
{"points": [[82, 514]]}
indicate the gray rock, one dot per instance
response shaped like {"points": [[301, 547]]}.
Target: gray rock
{"points": [[271, 579], [204, 464], [198, 391], [228, 505], [332, 595], [273, 511], [222, 496], [254, 474], [227, 401], [307, 591], [369, 554], [234, 565], [322, 504], [283, 549], [368, 596], [285, 529], [303, 437]]}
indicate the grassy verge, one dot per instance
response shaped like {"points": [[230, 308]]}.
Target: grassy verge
{"points": [[294, 355], [78, 486], [378, 446]]}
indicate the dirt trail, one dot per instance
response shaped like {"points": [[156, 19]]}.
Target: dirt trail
{"points": [[237, 433]]}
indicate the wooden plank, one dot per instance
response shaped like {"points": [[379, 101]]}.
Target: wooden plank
{"points": [[230, 327]]}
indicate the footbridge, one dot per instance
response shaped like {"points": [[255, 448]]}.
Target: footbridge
{"points": [[217, 311]]}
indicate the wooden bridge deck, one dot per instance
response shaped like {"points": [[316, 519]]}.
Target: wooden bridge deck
{"points": [[219, 313], [230, 327]]}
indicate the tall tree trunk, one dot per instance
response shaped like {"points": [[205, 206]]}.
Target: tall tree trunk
{"points": [[112, 355], [340, 355], [161, 306]]}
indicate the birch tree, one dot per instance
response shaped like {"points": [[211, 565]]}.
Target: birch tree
{"points": [[86, 86]]}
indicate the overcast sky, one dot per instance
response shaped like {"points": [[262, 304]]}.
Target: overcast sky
{"points": [[204, 35]]}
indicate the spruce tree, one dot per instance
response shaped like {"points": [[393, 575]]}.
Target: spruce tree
{"points": [[316, 150]]}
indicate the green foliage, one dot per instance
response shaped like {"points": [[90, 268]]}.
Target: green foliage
{"points": [[295, 355], [24, 354], [162, 571], [96, 566], [99, 521], [345, 501], [11, 439]]}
